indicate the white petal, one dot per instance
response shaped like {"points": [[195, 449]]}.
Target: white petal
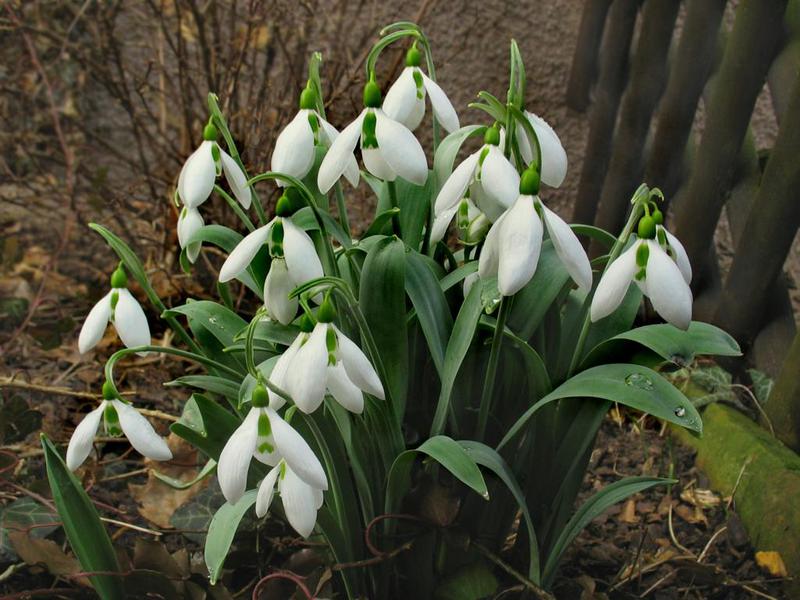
{"points": [[235, 178], [554, 157], [196, 180], [189, 223], [80, 444], [357, 366], [456, 185], [614, 284], [351, 172], [344, 391], [401, 102], [339, 154], [130, 321], [278, 375], [306, 375], [376, 165], [486, 203], [294, 148], [441, 222], [301, 256], [298, 454], [499, 178], [277, 288], [490, 254], [299, 503], [234, 460], [442, 108], [520, 244], [140, 433], [668, 291], [681, 258], [569, 249], [241, 256], [266, 491], [400, 149], [95, 324]]}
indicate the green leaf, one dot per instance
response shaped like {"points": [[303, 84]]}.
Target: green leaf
{"points": [[446, 153], [85, 531], [305, 219], [632, 385], [670, 343], [178, 484], [205, 425], [471, 582], [591, 509], [383, 302], [762, 385], [28, 515], [448, 453], [221, 532], [381, 222], [208, 383], [600, 235], [431, 306], [218, 320], [457, 347], [272, 333], [488, 458], [458, 275], [413, 202]]}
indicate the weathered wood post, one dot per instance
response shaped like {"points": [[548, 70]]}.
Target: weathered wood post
{"points": [[689, 70], [783, 407], [603, 113], [768, 233], [752, 45], [584, 61], [648, 76]]}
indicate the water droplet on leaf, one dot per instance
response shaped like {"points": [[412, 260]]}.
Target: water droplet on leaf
{"points": [[640, 381], [680, 412]]}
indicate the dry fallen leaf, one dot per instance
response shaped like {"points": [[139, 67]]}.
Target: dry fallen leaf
{"points": [[772, 562], [628, 513], [39, 551], [700, 497]]}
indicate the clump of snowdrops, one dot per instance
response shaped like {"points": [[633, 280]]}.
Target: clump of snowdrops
{"points": [[424, 398]]}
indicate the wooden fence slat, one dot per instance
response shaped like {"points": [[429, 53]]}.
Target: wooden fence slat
{"points": [[648, 75], [584, 61], [752, 45], [603, 113], [691, 66], [768, 233]]}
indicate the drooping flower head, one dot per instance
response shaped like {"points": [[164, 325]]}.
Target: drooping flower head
{"points": [[388, 149], [294, 259], [512, 247], [120, 308], [553, 167], [405, 100], [295, 147], [659, 265], [330, 362], [120, 418], [190, 222]]}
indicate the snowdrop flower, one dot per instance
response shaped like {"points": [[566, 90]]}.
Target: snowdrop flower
{"points": [[120, 308], [512, 247], [388, 148], [265, 436], [301, 501], [492, 181], [120, 418], [405, 100], [330, 362], [295, 147], [190, 222], [294, 261], [554, 157], [200, 170], [662, 278]]}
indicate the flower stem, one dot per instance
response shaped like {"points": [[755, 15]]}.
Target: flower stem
{"points": [[393, 203], [342, 208], [491, 371], [236, 208], [616, 250]]}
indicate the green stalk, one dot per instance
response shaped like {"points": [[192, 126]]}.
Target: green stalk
{"points": [[342, 208], [636, 212], [249, 352], [491, 371], [234, 204], [393, 202]]}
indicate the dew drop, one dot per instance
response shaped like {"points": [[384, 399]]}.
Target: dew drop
{"points": [[640, 381], [680, 411]]}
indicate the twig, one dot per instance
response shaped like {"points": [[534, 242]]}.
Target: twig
{"points": [[672, 536], [657, 583], [711, 540], [131, 526], [757, 404], [738, 481], [529, 585]]}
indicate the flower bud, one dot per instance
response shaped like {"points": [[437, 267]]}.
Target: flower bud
{"points": [[647, 228], [492, 136], [658, 217], [413, 56], [306, 324], [283, 208], [326, 312], [210, 133], [118, 278], [372, 94], [529, 182], [260, 397], [308, 98], [109, 392]]}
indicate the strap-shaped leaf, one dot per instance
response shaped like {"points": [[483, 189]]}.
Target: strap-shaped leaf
{"points": [[592, 508], [208, 383], [221, 531], [85, 531], [632, 385], [205, 425], [218, 320]]}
